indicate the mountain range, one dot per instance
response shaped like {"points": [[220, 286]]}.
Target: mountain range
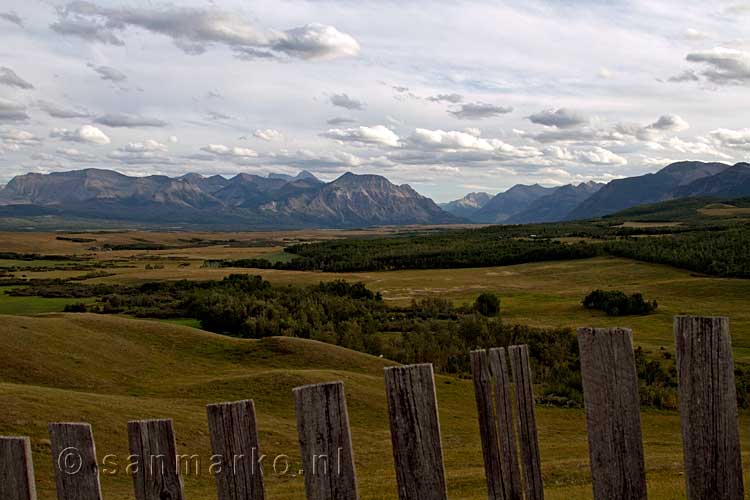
{"points": [[248, 201], [244, 201], [523, 204]]}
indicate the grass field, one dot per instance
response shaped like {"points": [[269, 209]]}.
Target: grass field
{"points": [[107, 370]]}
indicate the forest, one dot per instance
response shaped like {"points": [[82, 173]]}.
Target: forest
{"points": [[430, 329]]}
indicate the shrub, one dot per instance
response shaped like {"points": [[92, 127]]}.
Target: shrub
{"points": [[487, 304], [617, 303]]}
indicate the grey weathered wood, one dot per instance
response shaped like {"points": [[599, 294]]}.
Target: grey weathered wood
{"points": [[74, 461], [16, 469], [157, 476], [234, 438], [708, 408], [610, 391], [325, 442], [415, 432], [493, 396], [526, 419]]}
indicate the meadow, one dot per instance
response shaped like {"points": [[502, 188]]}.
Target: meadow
{"points": [[107, 370]]}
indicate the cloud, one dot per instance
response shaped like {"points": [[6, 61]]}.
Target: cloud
{"points": [[12, 111], [14, 140], [558, 118], [695, 35], [108, 73], [696, 148], [734, 139], [12, 17], [126, 120], [76, 155], [268, 134], [595, 155], [605, 73], [379, 134], [229, 152], [725, 66], [336, 161], [451, 98], [149, 145], [671, 123], [218, 116], [344, 101], [478, 111], [10, 78], [86, 133], [688, 75], [142, 153], [57, 111], [433, 146], [195, 30], [441, 139], [339, 121]]}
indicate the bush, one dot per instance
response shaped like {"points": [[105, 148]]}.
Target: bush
{"points": [[617, 303], [487, 304]]}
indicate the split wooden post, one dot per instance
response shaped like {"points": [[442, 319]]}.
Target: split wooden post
{"points": [[234, 438], [74, 461], [493, 396], [16, 469], [708, 408], [527, 433], [325, 442], [610, 392], [415, 432], [157, 476]]}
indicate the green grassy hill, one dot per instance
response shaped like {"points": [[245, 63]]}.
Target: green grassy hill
{"points": [[108, 370]]}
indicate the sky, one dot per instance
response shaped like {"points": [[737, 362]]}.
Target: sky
{"points": [[447, 96]]}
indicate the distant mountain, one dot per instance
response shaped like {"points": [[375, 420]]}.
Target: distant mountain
{"points": [[733, 182], [557, 205], [303, 175], [244, 201], [509, 203], [620, 194], [468, 205]]}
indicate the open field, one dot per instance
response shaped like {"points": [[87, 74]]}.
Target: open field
{"points": [[108, 370]]}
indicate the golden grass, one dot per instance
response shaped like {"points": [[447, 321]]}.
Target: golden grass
{"points": [[108, 370]]}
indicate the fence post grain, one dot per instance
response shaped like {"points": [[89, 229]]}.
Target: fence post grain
{"points": [[157, 476], [527, 433], [325, 442], [708, 408], [16, 469], [610, 391], [74, 461], [234, 438], [493, 396], [415, 432]]}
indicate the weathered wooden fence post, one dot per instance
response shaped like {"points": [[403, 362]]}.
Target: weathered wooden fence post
{"points": [[415, 432], [157, 476], [708, 408], [74, 461], [325, 442], [527, 433], [610, 391], [16, 469], [494, 406], [234, 441]]}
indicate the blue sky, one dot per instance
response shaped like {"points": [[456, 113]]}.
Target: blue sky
{"points": [[449, 97]]}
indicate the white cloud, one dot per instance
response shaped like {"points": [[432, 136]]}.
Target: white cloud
{"points": [[115, 120], [696, 148], [148, 145], [734, 139], [595, 155], [109, 73], [86, 133], [76, 155], [725, 66], [268, 134], [222, 150], [377, 135], [195, 30], [12, 111], [344, 101], [57, 111]]}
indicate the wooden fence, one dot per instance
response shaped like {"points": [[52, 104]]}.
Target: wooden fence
{"points": [[507, 424]]}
